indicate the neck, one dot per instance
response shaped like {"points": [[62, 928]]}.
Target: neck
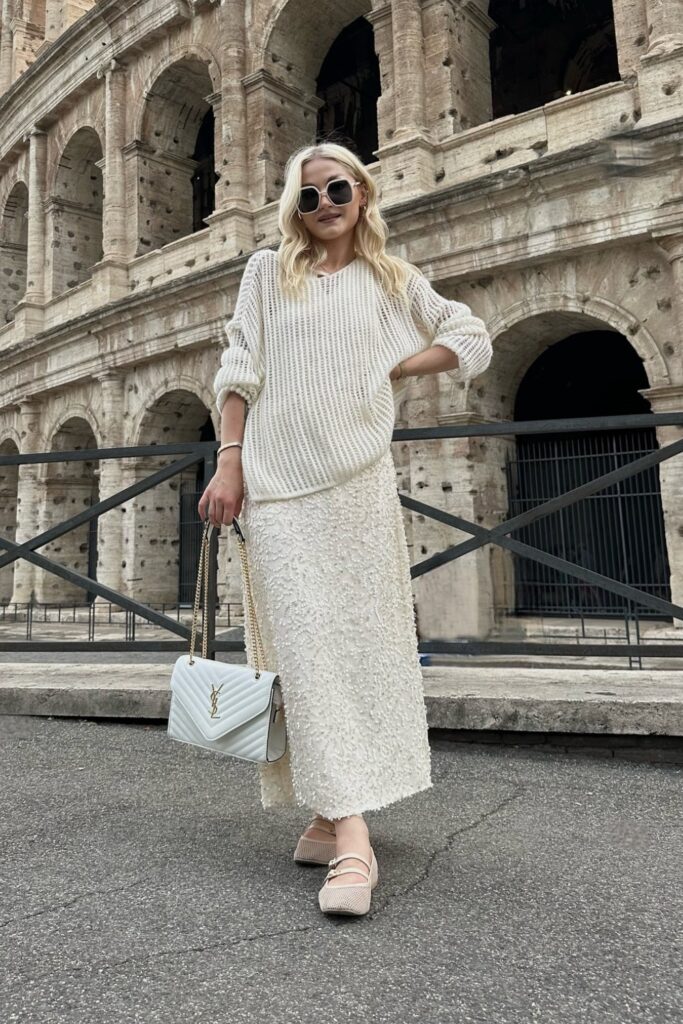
{"points": [[340, 251]]}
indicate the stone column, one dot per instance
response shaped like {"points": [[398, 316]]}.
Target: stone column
{"points": [[37, 165], [380, 19], [630, 29], [110, 525], [665, 25], [231, 220], [29, 499], [114, 241], [457, 66], [231, 117], [409, 83], [670, 399], [6, 46], [408, 158], [671, 244], [54, 19], [456, 600]]}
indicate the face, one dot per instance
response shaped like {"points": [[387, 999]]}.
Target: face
{"points": [[330, 222]]}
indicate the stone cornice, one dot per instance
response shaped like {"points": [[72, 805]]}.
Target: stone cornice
{"points": [[75, 58]]}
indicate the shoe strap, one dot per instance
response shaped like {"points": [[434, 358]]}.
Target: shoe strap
{"points": [[346, 871], [344, 856]]}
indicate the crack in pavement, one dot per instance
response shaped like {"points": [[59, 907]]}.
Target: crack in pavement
{"points": [[70, 903], [99, 967], [445, 848]]}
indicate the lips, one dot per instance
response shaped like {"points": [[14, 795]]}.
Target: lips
{"points": [[334, 216]]}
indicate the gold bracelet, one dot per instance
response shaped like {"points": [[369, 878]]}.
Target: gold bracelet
{"points": [[228, 444]]}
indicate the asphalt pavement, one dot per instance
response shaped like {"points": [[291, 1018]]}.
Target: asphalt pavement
{"points": [[142, 881]]}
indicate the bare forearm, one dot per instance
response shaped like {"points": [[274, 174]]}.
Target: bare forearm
{"points": [[431, 360], [232, 426]]}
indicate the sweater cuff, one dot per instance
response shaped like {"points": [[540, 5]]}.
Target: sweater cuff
{"points": [[246, 393]]}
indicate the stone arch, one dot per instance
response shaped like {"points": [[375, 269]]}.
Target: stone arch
{"points": [[68, 487], [523, 329], [323, 69], [77, 411], [13, 250], [9, 481], [618, 532], [522, 332], [195, 53], [179, 382], [176, 149], [162, 527], [74, 211], [282, 53]]}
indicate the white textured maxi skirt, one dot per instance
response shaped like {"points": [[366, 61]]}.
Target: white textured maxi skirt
{"points": [[330, 575]]}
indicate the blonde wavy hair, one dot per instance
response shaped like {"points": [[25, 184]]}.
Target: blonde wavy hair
{"points": [[300, 252]]}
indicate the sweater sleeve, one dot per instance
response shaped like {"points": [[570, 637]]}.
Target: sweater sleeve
{"points": [[452, 324], [241, 367]]}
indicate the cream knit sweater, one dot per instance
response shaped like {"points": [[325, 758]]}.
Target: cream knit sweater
{"points": [[315, 371]]}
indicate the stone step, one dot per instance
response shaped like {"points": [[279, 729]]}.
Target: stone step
{"points": [[607, 701]]}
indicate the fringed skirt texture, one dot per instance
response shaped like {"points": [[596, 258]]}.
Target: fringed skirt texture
{"points": [[330, 577]]}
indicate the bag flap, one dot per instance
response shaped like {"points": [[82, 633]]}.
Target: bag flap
{"points": [[219, 697]]}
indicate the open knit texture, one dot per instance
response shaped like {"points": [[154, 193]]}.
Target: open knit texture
{"points": [[315, 371]]}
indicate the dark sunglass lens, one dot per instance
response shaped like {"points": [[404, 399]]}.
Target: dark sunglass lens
{"points": [[340, 192], [308, 200]]}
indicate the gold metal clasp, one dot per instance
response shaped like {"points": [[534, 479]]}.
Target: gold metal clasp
{"points": [[214, 700]]}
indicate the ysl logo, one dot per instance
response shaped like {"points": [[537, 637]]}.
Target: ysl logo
{"points": [[214, 700]]}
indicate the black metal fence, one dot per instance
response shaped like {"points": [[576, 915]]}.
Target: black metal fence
{"points": [[619, 531], [515, 535]]}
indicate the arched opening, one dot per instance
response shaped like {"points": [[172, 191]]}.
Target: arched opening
{"points": [[75, 212], [544, 49], [162, 550], [177, 160], [349, 86], [618, 532], [9, 479], [69, 487], [13, 251]]}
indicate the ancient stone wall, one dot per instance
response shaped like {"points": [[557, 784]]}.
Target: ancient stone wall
{"points": [[142, 148]]}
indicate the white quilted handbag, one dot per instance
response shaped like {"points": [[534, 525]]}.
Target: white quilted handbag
{"points": [[232, 709]]}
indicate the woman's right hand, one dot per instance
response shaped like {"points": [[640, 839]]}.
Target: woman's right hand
{"points": [[224, 494]]}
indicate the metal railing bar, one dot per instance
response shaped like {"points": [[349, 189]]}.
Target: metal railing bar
{"points": [[584, 423], [568, 650], [94, 587], [96, 454], [483, 534], [15, 551], [490, 647]]}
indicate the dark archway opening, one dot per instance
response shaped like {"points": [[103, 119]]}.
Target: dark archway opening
{"points": [[204, 177], [349, 85], [544, 49], [191, 526], [618, 532]]}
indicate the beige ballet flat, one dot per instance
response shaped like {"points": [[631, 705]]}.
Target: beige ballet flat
{"points": [[353, 898], [316, 851]]}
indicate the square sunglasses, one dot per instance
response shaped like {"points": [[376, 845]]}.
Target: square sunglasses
{"points": [[339, 191]]}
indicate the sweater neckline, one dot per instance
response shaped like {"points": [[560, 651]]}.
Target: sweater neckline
{"points": [[335, 273]]}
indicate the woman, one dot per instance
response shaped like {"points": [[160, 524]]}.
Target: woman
{"points": [[322, 329]]}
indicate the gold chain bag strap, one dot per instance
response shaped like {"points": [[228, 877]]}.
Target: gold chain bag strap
{"points": [[233, 709]]}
